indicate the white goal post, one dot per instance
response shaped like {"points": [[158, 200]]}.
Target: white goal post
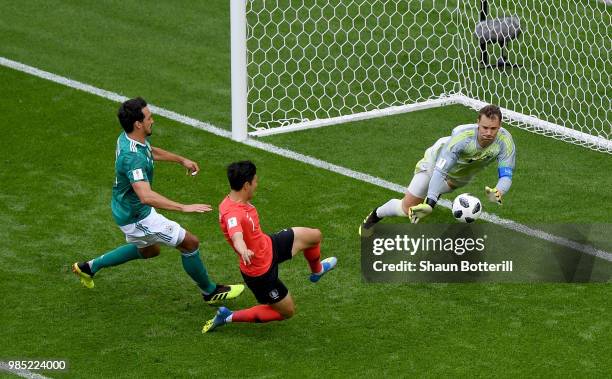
{"points": [[299, 64]]}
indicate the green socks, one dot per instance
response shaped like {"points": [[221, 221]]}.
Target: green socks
{"points": [[195, 268], [115, 257], [191, 263]]}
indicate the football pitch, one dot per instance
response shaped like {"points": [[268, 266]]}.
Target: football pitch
{"points": [[143, 319]]}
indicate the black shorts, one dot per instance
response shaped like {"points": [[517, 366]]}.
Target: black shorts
{"points": [[267, 287]]}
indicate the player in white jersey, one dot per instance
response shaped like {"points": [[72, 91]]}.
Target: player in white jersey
{"points": [[451, 163]]}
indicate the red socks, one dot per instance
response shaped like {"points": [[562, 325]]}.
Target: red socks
{"points": [[258, 313], [313, 256]]}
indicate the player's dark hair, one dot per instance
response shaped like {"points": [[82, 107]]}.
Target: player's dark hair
{"points": [[130, 112], [491, 111], [239, 173]]}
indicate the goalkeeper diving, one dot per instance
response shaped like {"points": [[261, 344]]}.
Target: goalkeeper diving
{"points": [[452, 162]]}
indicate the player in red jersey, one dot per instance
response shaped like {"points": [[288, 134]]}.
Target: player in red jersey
{"points": [[260, 254]]}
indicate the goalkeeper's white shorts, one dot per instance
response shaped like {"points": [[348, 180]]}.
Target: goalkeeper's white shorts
{"points": [[419, 185]]}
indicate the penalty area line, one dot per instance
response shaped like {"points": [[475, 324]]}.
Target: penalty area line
{"points": [[508, 224]]}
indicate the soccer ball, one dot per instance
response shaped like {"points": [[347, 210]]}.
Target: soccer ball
{"points": [[466, 208]]}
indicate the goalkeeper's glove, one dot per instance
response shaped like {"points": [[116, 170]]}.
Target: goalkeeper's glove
{"points": [[417, 212], [494, 195]]}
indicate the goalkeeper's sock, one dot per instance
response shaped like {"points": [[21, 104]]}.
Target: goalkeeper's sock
{"points": [[392, 207], [195, 269], [258, 313], [115, 257], [313, 256]]}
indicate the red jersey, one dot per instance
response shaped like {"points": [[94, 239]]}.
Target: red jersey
{"points": [[237, 217]]}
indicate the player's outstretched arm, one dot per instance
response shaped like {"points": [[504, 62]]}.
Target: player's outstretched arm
{"points": [[494, 195], [242, 248], [505, 169], [163, 155], [149, 197]]}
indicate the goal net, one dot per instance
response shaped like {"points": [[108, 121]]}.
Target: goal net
{"points": [[300, 64]]}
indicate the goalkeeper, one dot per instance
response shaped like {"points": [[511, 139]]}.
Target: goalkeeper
{"points": [[451, 163]]}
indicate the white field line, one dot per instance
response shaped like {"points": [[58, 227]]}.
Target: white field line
{"points": [[21, 373], [508, 224]]}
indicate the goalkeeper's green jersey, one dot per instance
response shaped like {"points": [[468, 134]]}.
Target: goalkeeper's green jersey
{"points": [[133, 163], [460, 157]]}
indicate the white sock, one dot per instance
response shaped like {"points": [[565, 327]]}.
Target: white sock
{"points": [[229, 318], [392, 207]]}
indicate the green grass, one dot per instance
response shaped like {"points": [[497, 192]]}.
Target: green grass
{"points": [[143, 318], [130, 48]]}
